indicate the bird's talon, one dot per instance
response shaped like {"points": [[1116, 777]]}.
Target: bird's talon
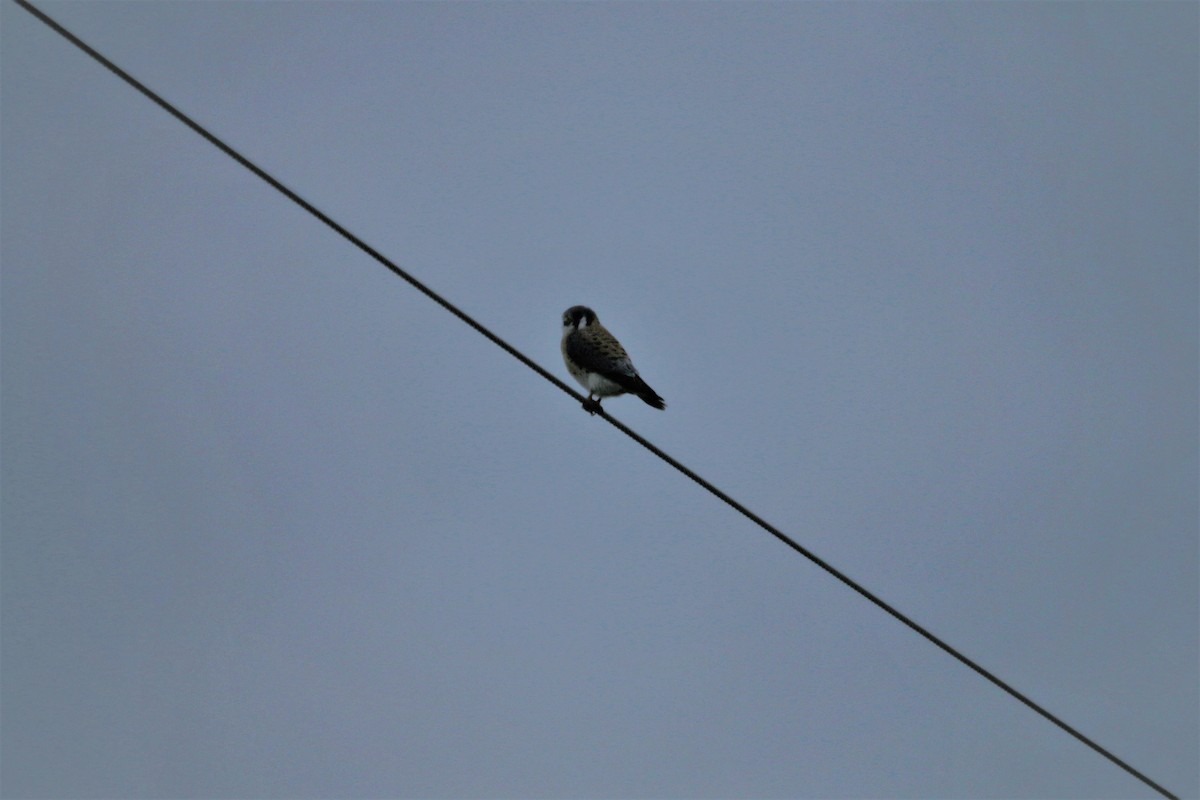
{"points": [[591, 406]]}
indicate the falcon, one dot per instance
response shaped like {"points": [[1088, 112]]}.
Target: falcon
{"points": [[596, 359]]}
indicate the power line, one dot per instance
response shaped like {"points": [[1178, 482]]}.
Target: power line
{"points": [[750, 515]]}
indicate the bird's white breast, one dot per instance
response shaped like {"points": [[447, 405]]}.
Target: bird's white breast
{"points": [[601, 386]]}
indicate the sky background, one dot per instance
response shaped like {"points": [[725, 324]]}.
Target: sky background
{"points": [[917, 281]]}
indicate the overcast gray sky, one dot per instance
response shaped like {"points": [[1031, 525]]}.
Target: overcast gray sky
{"points": [[917, 281]]}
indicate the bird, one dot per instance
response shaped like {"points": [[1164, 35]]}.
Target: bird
{"points": [[596, 359]]}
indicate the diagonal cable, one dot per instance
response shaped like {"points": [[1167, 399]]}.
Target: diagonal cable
{"points": [[741, 509]]}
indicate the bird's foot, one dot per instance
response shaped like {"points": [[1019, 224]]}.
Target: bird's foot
{"points": [[591, 406]]}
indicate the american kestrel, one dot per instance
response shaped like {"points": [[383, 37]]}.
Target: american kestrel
{"points": [[596, 359]]}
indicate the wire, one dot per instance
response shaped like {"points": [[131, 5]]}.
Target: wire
{"points": [[741, 509]]}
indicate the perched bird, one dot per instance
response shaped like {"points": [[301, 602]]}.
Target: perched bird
{"points": [[596, 359]]}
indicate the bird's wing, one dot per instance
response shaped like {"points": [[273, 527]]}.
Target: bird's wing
{"points": [[598, 351]]}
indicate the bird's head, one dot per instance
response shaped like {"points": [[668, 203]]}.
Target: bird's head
{"points": [[577, 317]]}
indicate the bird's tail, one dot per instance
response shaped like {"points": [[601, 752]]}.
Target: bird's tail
{"points": [[650, 396]]}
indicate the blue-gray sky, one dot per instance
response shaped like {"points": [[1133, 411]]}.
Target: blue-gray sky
{"points": [[918, 282]]}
